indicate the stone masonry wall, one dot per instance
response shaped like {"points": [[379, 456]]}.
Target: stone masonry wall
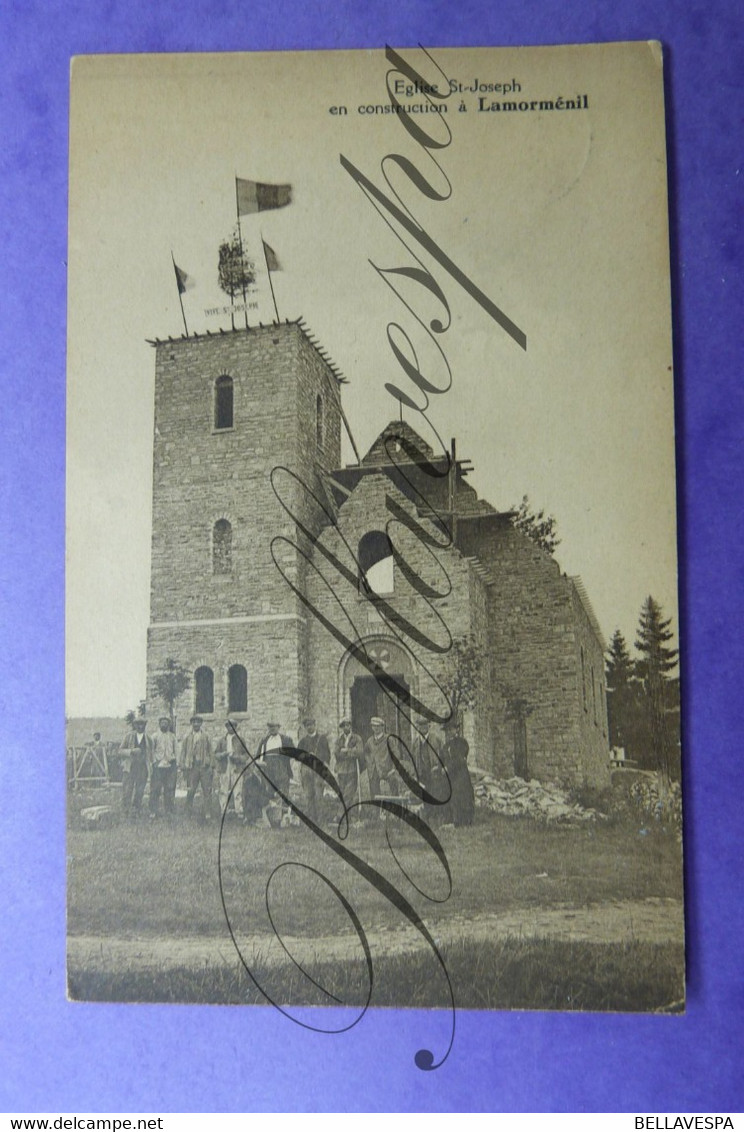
{"points": [[355, 615], [535, 630], [481, 723], [201, 475], [268, 651], [592, 728]]}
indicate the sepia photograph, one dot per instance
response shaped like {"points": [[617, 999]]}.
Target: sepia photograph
{"points": [[372, 670]]}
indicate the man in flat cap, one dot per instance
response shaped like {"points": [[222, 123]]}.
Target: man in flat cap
{"points": [[316, 744], [164, 768], [349, 761], [197, 762], [134, 754], [377, 757]]}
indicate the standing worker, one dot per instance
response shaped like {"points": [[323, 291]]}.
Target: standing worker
{"points": [[275, 766], [377, 758], [349, 764], [197, 762], [312, 784], [230, 759], [134, 753], [164, 768]]}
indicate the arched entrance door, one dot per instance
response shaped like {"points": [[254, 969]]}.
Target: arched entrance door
{"points": [[366, 695]]}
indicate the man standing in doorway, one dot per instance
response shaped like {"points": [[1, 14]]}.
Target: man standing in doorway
{"points": [[377, 758]]}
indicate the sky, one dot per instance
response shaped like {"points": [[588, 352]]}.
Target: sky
{"points": [[559, 217]]}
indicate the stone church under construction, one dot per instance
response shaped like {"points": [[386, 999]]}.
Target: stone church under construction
{"points": [[286, 584]]}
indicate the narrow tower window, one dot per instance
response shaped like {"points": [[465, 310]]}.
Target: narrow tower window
{"points": [[222, 547], [223, 402], [375, 556], [237, 688], [204, 687]]}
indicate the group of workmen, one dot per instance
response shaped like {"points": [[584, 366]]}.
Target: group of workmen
{"points": [[230, 779]]}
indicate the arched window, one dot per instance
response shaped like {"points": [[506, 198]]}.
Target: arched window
{"points": [[375, 556], [237, 688], [583, 677], [223, 402], [221, 547], [204, 688], [319, 423]]}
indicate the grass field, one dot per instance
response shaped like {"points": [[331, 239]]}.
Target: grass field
{"points": [[161, 881], [508, 974]]}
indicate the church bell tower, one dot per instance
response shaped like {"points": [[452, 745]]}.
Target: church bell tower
{"points": [[229, 409]]}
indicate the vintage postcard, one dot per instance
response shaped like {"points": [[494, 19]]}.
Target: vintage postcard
{"points": [[373, 695]]}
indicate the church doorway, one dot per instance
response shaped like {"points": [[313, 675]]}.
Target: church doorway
{"points": [[381, 691], [368, 698]]}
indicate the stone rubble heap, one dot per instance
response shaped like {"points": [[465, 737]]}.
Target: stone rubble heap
{"points": [[517, 798]]}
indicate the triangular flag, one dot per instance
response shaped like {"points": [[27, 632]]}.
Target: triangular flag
{"points": [[272, 261], [183, 281]]}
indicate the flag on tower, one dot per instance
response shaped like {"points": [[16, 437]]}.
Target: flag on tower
{"points": [[272, 260], [184, 281], [253, 196]]}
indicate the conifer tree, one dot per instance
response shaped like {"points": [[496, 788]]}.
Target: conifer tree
{"points": [[622, 695], [657, 660]]}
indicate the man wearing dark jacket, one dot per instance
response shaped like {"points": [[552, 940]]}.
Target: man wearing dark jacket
{"points": [[312, 784], [377, 757], [135, 754], [349, 763], [197, 761]]}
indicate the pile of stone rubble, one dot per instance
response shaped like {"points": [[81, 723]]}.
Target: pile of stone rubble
{"points": [[533, 799]]}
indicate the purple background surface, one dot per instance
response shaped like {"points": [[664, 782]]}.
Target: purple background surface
{"points": [[65, 1057]]}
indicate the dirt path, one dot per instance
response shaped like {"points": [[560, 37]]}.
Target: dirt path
{"points": [[650, 921]]}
